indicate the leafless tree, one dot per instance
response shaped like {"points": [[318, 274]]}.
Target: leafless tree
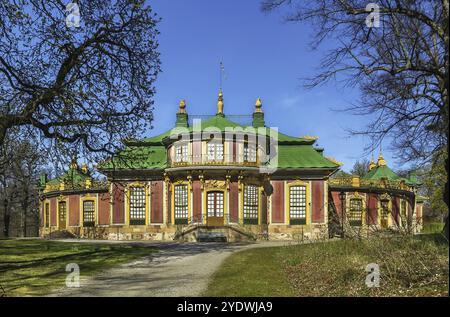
{"points": [[401, 66], [85, 87]]}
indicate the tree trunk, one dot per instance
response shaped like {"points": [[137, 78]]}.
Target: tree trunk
{"points": [[445, 231], [5, 219]]}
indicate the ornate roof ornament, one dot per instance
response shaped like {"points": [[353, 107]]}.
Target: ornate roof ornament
{"points": [[258, 105], [372, 164], [182, 106], [220, 103], [381, 160]]}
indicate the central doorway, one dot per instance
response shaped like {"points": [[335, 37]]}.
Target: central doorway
{"points": [[214, 205]]}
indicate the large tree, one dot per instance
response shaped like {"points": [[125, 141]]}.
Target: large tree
{"points": [[400, 65], [85, 86]]}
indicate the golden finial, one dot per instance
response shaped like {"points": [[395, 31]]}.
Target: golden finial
{"points": [[372, 164], [381, 160], [73, 163], [182, 106], [258, 105], [220, 102]]}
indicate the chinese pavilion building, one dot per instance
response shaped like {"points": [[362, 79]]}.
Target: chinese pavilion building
{"points": [[216, 178]]}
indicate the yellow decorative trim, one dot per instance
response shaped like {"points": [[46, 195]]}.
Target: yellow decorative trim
{"points": [[385, 197], [361, 197]]}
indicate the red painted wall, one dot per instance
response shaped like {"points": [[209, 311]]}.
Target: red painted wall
{"points": [[277, 201], [372, 209], [74, 210], [118, 204], [197, 200], [53, 211], [197, 151], [318, 205], [103, 209], [337, 202], [234, 202], [396, 209], [156, 202]]}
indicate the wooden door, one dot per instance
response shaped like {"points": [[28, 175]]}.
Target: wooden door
{"points": [[215, 208], [62, 215]]}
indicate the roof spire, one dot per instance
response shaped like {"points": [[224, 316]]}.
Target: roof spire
{"points": [[220, 103], [381, 160], [372, 164]]}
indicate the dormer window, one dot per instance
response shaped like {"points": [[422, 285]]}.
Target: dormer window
{"points": [[181, 152], [215, 151]]}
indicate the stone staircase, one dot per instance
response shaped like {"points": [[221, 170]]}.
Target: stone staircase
{"points": [[204, 233]]}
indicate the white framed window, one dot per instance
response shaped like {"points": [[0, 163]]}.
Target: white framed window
{"points": [[251, 204], [181, 209], [249, 152], [88, 213], [297, 205], [181, 152], [137, 205], [215, 151]]}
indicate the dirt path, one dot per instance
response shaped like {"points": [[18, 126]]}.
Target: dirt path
{"points": [[179, 269]]}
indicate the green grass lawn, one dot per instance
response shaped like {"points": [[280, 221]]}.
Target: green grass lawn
{"points": [[37, 267], [409, 266]]}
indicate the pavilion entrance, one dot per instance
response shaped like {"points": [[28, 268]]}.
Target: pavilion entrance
{"points": [[215, 208]]}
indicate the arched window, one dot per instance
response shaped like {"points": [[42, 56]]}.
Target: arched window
{"points": [[356, 212], [251, 204], [249, 152]]}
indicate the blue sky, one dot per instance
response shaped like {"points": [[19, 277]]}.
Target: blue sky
{"points": [[263, 57]]}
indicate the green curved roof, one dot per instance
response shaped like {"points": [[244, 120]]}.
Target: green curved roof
{"points": [[150, 153], [384, 172], [73, 177]]}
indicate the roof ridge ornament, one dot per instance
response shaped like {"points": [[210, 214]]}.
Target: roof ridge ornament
{"points": [[258, 105], [372, 164], [220, 103], [182, 106], [381, 160]]}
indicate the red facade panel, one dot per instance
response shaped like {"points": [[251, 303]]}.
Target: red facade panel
{"points": [[118, 204], [396, 209], [372, 209], [278, 202], [318, 205], [197, 151], [103, 208], [156, 202], [234, 202], [197, 200], [74, 210], [337, 202], [53, 211]]}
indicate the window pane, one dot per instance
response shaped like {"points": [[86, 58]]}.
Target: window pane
{"points": [[88, 213], [47, 215], [251, 204], [249, 152], [181, 202], [137, 205], [297, 204]]}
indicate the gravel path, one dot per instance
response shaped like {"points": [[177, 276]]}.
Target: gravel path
{"points": [[178, 269]]}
